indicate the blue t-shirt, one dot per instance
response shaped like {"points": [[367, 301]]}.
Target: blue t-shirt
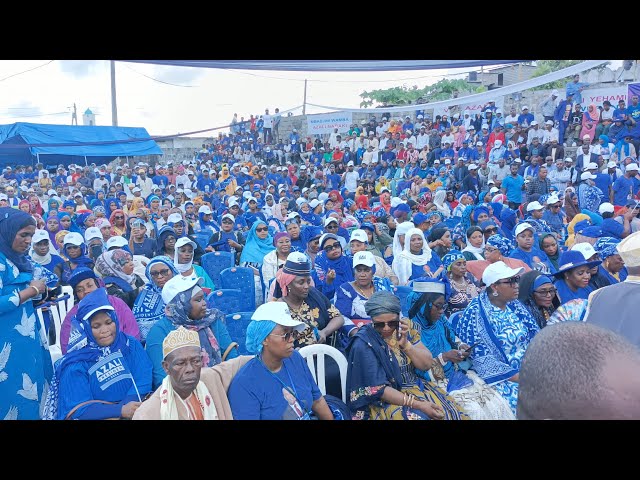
{"points": [[434, 264], [612, 228], [527, 257], [513, 186], [256, 393], [622, 188], [603, 180], [566, 294]]}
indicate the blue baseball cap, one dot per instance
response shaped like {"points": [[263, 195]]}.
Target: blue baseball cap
{"points": [[419, 218]]}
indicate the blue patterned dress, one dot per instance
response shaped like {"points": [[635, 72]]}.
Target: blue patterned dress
{"points": [[25, 363], [503, 338]]}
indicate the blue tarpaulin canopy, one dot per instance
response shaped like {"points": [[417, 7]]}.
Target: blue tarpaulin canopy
{"points": [[23, 143]]}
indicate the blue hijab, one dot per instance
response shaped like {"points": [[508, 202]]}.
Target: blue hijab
{"points": [[149, 306], [83, 347], [255, 249], [108, 202], [12, 221], [165, 231], [82, 260], [509, 220]]}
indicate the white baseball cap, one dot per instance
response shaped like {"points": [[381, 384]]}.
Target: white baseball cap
{"points": [[74, 238], [612, 164], [494, 190], [586, 249], [478, 144], [495, 272], [114, 241], [293, 215], [91, 233], [38, 236], [232, 202], [350, 164], [363, 258], [180, 283], [136, 189], [521, 227], [229, 216], [592, 166], [534, 123], [204, 209], [484, 125], [277, 312], [553, 199], [182, 241], [632, 167], [587, 176], [329, 220], [447, 161], [524, 107], [314, 203], [549, 122], [472, 166], [174, 218], [497, 143], [605, 207], [359, 235], [534, 206]]}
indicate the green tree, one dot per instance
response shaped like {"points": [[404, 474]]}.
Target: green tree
{"points": [[544, 67], [442, 90]]}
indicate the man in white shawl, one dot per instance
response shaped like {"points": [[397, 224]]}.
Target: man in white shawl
{"points": [[415, 258]]}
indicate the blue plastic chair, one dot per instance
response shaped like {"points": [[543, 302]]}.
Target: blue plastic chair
{"points": [[226, 300], [402, 291], [237, 324], [202, 239], [215, 262], [241, 278]]}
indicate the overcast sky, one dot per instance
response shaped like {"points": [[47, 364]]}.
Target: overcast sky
{"points": [[204, 98]]}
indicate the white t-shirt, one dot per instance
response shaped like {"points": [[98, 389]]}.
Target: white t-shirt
{"points": [[268, 121], [351, 180]]}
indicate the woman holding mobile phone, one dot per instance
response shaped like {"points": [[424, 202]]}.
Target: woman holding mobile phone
{"points": [[426, 304]]}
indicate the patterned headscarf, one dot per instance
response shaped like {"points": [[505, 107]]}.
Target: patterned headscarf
{"points": [[606, 246], [501, 243], [178, 310], [111, 264], [450, 258]]}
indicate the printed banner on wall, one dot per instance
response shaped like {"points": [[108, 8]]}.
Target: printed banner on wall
{"points": [[599, 95], [325, 123], [470, 108], [634, 89]]}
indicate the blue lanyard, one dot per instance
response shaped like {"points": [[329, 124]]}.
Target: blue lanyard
{"points": [[291, 389]]}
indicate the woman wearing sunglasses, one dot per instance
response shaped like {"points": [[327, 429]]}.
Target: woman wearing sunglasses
{"points": [[501, 326], [450, 370], [275, 260], [258, 244], [276, 384], [538, 295], [118, 223], [383, 358], [332, 266]]}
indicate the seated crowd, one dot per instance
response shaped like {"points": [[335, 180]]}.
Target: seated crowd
{"points": [[431, 254]]}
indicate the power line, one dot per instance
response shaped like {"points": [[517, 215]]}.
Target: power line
{"points": [[36, 115], [30, 70], [159, 81]]}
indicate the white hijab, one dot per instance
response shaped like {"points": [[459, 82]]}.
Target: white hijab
{"points": [[401, 229], [38, 236], [402, 264], [439, 201]]}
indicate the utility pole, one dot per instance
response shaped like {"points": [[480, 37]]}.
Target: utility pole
{"points": [[304, 102], [114, 106]]}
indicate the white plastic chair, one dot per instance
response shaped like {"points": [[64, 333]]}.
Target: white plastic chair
{"points": [[58, 311], [320, 350]]}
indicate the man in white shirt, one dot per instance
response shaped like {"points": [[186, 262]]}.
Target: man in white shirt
{"points": [[144, 182], [101, 182], [422, 139], [350, 178], [512, 118], [534, 131], [411, 138], [373, 141], [606, 119], [560, 175], [447, 137], [549, 132], [333, 138], [267, 126]]}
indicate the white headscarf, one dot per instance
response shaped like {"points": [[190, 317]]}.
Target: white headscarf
{"points": [[402, 264], [439, 201], [401, 229], [38, 236]]}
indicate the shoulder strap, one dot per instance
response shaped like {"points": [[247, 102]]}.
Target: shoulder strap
{"points": [[88, 402], [231, 346]]}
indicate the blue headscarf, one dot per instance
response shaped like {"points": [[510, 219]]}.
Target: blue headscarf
{"points": [[164, 232], [450, 258], [497, 208], [177, 312], [149, 306], [509, 220], [478, 210], [211, 225], [310, 232], [255, 249], [12, 221], [501, 243], [69, 203], [361, 214], [342, 265], [108, 202], [82, 260], [606, 246], [83, 347], [257, 332]]}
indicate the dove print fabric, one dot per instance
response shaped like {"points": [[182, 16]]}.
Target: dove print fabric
{"points": [[25, 363]]}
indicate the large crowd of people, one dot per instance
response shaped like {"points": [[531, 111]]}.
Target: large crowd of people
{"points": [[494, 229]]}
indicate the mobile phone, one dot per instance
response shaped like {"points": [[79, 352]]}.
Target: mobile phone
{"points": [[399, 330], [472, 347]]}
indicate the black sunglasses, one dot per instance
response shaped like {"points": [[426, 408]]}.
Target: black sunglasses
{"points": [[491, 230], [118, 217], [160, 273], [510, 281], [393, 325], [262, 229], [294, 334], [332, 226], [328, 248]]}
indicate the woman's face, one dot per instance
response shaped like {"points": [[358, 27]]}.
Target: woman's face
{"points": [[333, 197], [525, 240], [189, 209], [437, 307], [73, 251], [277, 344], [25, 207], [155, 204], [160, 274], [42, 247], [185, 254], [300, 286], [90, 221], [106, 233], [33, 201], [179, 228], [446, 239], [415, 244], [492, 254], [450, 197], [283, 245], [578, 277], [314, 245], [293, 229], [52, 224], [54, 206], [386, 324], [507, 291], [328, 205], [363, 275], [615, 263], [112, 206], [65, 223], [169, 242], [482, 217], [544, 295], [85, 287], [305, 208], [127, 268], [103, 329], [262, 231], [332, 249], [550, 246], [118, 219], [476, 239], [198, 306], [459, 268]]}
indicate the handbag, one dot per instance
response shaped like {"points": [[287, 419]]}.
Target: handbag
{"points": [[88, 402]]}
